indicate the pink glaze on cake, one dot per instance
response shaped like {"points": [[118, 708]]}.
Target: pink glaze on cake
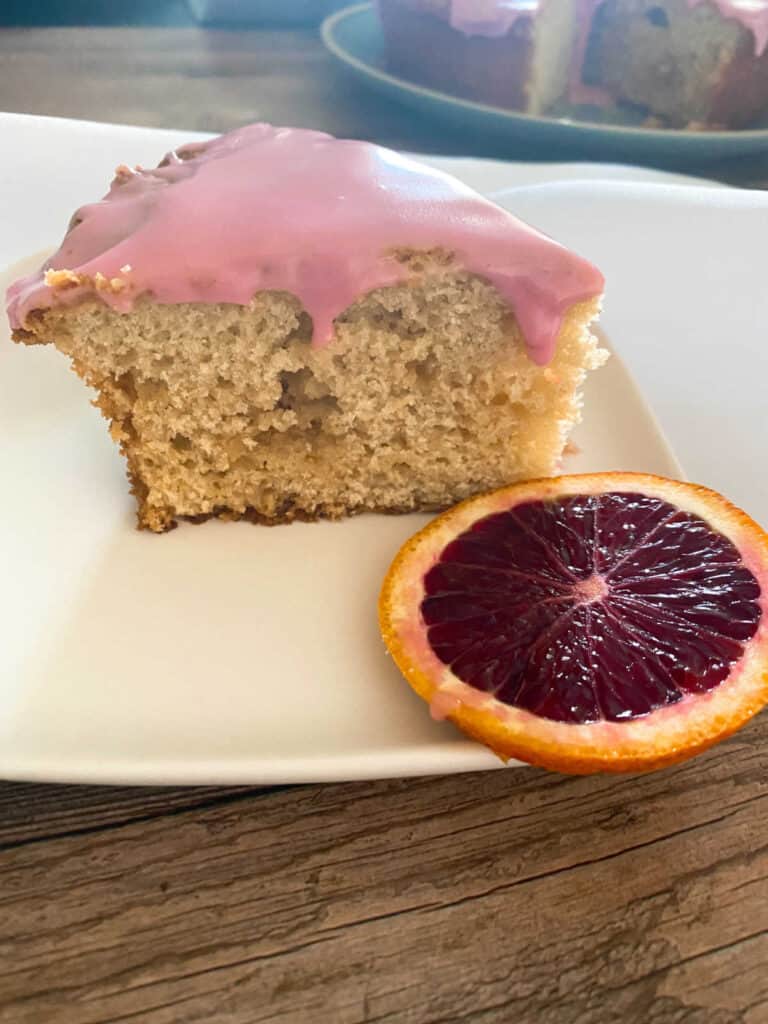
{"points": [[298, 211]]}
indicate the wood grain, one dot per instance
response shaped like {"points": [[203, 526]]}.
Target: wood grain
{"points": [[505, 896], [213, 80], [512, 896], [30, 813], [204, 79]]}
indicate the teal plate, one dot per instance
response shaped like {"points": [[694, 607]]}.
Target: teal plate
{"points": [[353, 36]]}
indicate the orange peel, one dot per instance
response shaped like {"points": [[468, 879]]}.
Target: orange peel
{"points": [[667, 734]]}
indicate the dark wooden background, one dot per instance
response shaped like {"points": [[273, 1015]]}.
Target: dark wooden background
{"points": [[514, 896]]}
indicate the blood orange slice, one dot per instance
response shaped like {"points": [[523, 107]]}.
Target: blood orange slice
{"points": [[609, 622]]}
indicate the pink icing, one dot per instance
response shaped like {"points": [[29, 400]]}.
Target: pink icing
{"points": [[299, 211]]}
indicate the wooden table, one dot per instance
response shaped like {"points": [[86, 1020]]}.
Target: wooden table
{"points": [[214, 80], [509, 896]]}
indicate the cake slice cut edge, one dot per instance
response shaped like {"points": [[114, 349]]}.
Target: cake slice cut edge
{"points": [[687, 64], [426, 396], [418, 344]]}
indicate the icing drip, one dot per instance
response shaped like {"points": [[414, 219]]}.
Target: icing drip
{"points": [[298, 211]]}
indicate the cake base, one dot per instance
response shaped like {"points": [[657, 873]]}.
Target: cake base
{"points": [[691, 67], [526, 69], [425, 396]]}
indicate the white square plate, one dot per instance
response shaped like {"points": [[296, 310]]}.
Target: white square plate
{"points": [[230, 653]]}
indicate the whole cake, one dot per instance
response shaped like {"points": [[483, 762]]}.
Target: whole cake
{"points": [[280, 324], [687, 62]]}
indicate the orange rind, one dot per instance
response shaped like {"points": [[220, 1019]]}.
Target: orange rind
{"points": [[693, 589]]}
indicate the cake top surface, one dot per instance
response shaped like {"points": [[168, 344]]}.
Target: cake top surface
{"points": [[283, 209]]}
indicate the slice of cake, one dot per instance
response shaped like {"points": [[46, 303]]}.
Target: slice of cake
{"points": [[687, 62], [509, 54], [690, 62], [284, 325]]}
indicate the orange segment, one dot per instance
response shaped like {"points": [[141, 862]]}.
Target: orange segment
{"points": [[606, 622]]}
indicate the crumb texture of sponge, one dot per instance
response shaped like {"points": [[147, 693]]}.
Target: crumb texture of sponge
{"points": [[425, 396], [689, 65]]}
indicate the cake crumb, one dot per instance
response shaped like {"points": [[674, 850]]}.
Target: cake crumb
{"points": [[61, 280], [308, 436], [115, 285], [123, 173]]}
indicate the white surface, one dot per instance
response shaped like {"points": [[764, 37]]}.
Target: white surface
{"points": [[686, 306], [231, 653]]}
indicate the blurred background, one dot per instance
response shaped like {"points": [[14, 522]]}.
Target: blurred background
{"points": [[211, 65], [167, 12], [208, 65]]}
